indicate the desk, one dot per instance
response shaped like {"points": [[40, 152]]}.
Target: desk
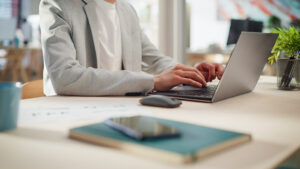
{"points": [[271, 116]]}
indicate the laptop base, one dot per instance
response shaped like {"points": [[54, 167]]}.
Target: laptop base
{"points": [[190, 93]]}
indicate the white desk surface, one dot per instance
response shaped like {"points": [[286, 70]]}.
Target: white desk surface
{"points": [[271, 116]]}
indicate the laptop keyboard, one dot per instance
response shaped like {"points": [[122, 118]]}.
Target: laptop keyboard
{"points": [[191, 92]]}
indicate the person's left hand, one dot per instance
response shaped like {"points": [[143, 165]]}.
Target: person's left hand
{"points": [[211, 70]]}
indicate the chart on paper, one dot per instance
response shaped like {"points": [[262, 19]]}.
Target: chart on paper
{"points": [[30, 113]]}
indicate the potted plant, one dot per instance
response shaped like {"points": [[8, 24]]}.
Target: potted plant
{"points": [[286, 54], [273, 22]]}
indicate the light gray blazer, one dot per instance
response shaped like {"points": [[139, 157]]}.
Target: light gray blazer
{"points": [[70, 49]]}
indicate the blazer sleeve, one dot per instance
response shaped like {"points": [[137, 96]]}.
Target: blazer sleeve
{"points": [[68, 77], [155, 61]]}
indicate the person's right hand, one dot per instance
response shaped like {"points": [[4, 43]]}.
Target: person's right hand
{"points": [[180, 74]]}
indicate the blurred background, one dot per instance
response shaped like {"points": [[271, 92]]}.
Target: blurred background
{"points": [[190, 31]]}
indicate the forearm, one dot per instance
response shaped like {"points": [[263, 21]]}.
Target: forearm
{"points": [[98, 82], [68, 77], [155, 60], [159, 64]]}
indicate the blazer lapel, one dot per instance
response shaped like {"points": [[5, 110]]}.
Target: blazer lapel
{"points": [[127, 53], [90, 11]]}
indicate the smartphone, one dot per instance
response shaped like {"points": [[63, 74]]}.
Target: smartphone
{"points": [[142, 127]]}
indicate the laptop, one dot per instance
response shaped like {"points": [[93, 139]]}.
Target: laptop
{"points": [[241, 74]]}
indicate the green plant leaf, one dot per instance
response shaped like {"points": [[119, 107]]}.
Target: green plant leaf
{"points": [[288, 41]]}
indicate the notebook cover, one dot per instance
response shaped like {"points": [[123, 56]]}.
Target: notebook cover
{"points": [[195, 141]]}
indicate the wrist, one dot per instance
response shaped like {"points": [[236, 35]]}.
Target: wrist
{"points": [[156, 82]]}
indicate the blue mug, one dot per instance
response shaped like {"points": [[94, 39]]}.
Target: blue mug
{"points": [[10, 96]]}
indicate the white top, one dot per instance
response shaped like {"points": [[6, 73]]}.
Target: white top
{"points": [[110, 36]]}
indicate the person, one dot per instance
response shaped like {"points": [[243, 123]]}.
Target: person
{"points": [[97, 48]]}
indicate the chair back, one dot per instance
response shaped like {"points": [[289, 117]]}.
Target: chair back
{"points": [[33, 89]]}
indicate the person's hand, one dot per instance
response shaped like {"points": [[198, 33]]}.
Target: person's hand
{"points": [[180, 74], [211, 70]]}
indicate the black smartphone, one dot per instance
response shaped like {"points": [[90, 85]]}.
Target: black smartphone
{"points": [[142, 127]]}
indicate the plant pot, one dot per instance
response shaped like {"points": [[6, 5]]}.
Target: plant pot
{"points": [[288, 74], [297, 73]]}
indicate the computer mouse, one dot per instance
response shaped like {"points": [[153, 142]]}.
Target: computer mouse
{"points": [[160, 101]]}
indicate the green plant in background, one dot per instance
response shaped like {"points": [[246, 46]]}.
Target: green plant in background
{"points": [[288, 42], [273, 22]]}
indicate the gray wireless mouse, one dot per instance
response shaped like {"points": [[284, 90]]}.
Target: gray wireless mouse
{"points": [[160, 101]]}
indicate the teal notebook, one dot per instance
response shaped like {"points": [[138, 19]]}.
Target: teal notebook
{"points": [[195, 141]]}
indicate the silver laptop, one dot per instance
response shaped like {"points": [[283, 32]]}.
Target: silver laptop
{"points": [[241, 74]]}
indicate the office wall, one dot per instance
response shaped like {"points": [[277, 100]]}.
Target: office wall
{"points": [[210, 20], [205, 28], [286, 10], [147, 11]]}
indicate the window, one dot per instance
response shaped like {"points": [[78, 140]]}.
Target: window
{"points": [[147, 11], [205, 26], [5, 9]]}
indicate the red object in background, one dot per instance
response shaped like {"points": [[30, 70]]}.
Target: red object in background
{"points": [[15, 7], [240, 9], [286, 11], [261, 6]]}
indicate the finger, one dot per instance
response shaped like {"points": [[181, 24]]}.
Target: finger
{"points": [[211, 70], [200, 68], [189, 68], [205, 74], [219, 76], [192, 75], [220, 70], [188, 81]]}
